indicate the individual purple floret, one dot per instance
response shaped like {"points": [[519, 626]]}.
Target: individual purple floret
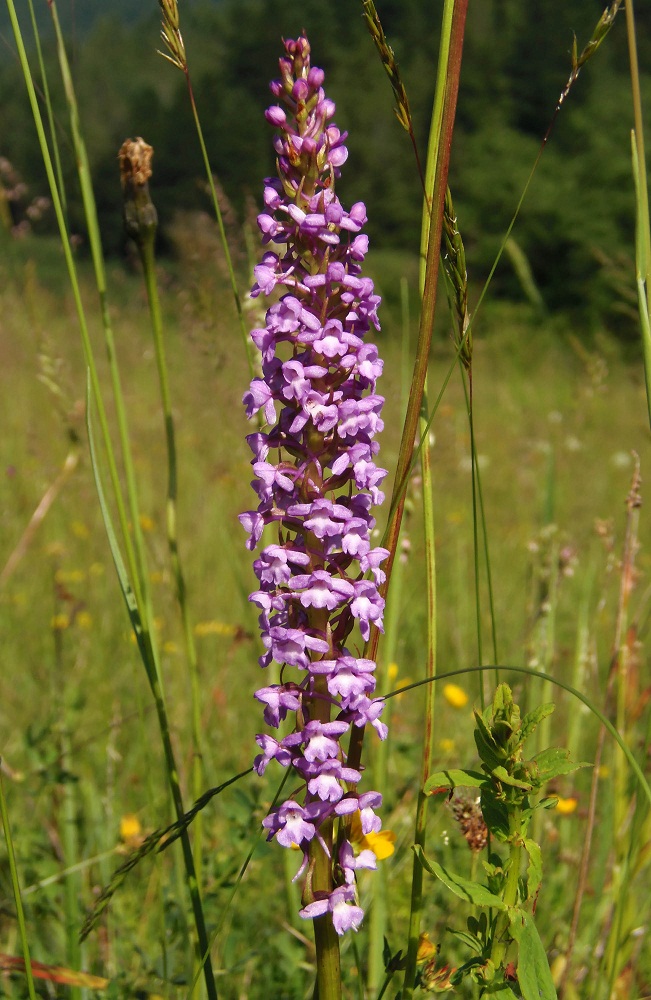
{"points": [[316, 479]]}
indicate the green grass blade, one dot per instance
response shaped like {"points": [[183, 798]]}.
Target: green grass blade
{"points": [[15, 885]]}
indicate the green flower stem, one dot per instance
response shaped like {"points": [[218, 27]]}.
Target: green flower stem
{"points": [[15, 885], [501, 935], [146, 246], [319, 878]]}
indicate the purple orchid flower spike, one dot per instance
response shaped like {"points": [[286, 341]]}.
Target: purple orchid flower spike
{"points": [[316, 480]]}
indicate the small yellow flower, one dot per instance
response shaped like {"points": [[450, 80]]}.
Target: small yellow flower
{"points": [[60, 622], [70, 576], [455, 696], [426, 950], [146, 522], [603, 771], [392, 672], [84, 620], [566, 806], [130, 829], [382, 844], [170, 647], [214, 628], [446, 745], [80, 530]]}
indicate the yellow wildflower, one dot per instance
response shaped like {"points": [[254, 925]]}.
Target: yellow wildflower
{"points": [[70, 576], [446, 745], [214, 628], [146, 522], [60, 622], [426, 950], [566, 806], [382, 843], [84, 620], [455, 696], [392, 672], [80, 530], [130, 829]]}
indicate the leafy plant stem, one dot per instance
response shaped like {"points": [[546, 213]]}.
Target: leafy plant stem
{"points": [[501, 937]]}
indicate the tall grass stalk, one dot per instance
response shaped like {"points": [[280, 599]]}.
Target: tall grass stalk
{"points": [[643, 224], [420, 831], [176, 55], [378, 917], [447, 88], [141, 225], [139, 608], [139, 571], [15, 885]]}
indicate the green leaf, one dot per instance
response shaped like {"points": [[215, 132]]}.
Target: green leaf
{"points": [[486, 747], [534, 868], [500, 990], [468, 939], [495, 815], [534, 976], [472, 892], [453, 778], [501, 774], [556, 761], [533, 719]]}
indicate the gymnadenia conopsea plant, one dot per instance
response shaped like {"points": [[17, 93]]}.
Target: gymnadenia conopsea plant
{"points": [[316, 481]]}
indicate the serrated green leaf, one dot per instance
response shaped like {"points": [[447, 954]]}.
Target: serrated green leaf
{"points": [[556, 761], [534, 976], [533, 719], [472, 892], [454, 778]]}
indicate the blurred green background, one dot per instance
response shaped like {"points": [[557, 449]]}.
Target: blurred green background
{"points": [[573, 240]]}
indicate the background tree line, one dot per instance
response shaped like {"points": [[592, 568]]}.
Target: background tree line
{"points": [[574, 237]]}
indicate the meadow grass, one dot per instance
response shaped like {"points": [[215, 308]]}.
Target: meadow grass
{"points": [[557, 422], [557, 425]]}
